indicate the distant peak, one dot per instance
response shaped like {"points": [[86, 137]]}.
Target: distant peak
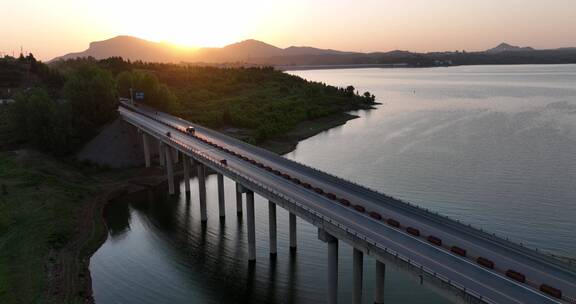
{"points": [[250, 42], [506, 47], [125, 37]]}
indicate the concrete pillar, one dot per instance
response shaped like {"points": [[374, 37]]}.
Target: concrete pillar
{"points": [[272, 228], [221, 205], [146, 143], [292, 226], [238, 199], [202, 192], [251, 226], [333, 272], [379, 282], [176, 156], [332, 296], [161, 153], [186, 165], [169, 169], [358, 270]]}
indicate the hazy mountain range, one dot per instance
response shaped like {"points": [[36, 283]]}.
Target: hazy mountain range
{"points": [[259, 53]]}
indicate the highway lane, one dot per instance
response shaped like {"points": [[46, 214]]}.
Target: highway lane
{"points": [[346, 214]]}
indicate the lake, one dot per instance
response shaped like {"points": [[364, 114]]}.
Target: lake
{"points": [[493, 146]]}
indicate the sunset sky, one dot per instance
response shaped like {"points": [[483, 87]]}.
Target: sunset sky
{"points": [[55, 27]]}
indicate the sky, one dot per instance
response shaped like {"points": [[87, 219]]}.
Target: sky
{"points": [[49, 28]]}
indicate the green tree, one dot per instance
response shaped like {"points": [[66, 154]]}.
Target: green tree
{"points": [[156, 94], [31, 118], [61, 126], [90, 93]]}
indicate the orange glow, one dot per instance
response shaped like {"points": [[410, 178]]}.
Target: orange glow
{"points": [[55, 27]]}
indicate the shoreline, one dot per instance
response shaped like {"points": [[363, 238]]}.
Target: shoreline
{"points": [[285, 68], [288, 142], [68, 272]]}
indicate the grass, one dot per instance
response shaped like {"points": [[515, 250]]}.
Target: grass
{"points": [[40, 199]]}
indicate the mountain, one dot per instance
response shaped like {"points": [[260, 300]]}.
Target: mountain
{"points": [[251, 48], [129, 48], [505, 47], [254, 52], [132, 48]]}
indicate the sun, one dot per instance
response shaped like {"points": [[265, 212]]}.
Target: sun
{"points": [[192, 23]]}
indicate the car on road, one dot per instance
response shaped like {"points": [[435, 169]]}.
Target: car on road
{"points": [[168, 134], [190, 130]]}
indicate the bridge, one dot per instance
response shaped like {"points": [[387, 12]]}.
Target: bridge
{"points": [[464, 263]]}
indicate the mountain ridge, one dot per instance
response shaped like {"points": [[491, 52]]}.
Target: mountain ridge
{"points": [[255, 52], [505, 47]]}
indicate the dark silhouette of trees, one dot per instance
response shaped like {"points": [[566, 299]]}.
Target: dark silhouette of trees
{"points": [[61, 126], [156, 94], [91, 95], [75, 98]]}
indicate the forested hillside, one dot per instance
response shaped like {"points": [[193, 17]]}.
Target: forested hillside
{"points": [[60, 107]]}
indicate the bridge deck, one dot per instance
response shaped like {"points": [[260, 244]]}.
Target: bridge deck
{"points": [[492, 284]]}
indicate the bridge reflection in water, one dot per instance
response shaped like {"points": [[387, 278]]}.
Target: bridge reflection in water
{"points": [[158, 251]]}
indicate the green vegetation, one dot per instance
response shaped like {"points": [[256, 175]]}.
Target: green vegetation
{"points": [[156, 94], [39, 203], [263, 101], [59, 119], [69, 103], [266, 102], [26, 72]]}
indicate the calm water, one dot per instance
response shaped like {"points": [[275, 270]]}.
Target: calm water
{"points": [[494, 146]]}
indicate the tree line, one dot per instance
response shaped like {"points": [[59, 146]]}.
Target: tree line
{"points": [[70, 101]]}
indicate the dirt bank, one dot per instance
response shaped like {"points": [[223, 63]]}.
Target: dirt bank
{"points": [[118, 145], [68, 271]]}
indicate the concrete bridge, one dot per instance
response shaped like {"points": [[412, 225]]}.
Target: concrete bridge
{"points": [[466, 264]]}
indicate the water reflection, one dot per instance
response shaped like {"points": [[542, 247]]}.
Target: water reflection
{"points": [[160, 252]]}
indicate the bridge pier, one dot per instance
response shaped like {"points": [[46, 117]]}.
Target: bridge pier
{"points": [[161, 153], [169, 169], [221, 206], [176, 156], [332, 295], [202, 192], [186, 165], [251, 226], [379, 282], [146, 144], [292, 226], [272, 228], [358, 270], [238, 199]]}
